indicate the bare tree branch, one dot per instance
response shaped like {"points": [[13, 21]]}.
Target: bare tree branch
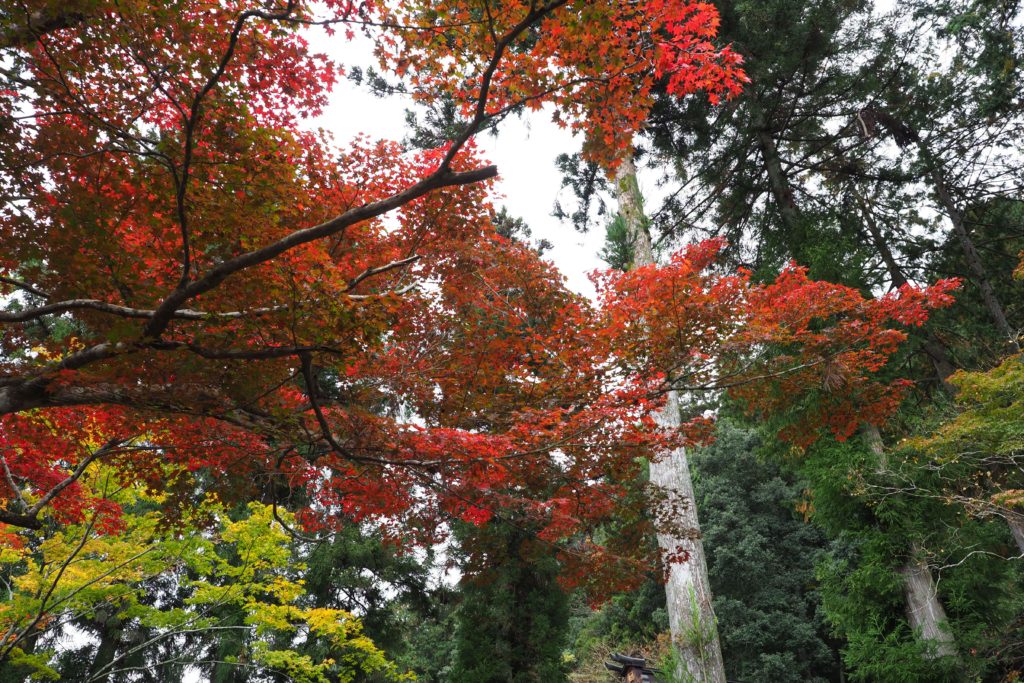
{"points": [[370, 272]]}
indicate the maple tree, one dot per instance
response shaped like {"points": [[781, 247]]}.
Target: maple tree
{"points": [[203, 295], [190, 269], [812, 348], [81, 576]]}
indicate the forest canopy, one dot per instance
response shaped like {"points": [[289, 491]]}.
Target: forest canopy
{"points": [[252, 377]]}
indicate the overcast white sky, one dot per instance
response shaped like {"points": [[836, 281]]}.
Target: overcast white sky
{"points": [[524, 151]]}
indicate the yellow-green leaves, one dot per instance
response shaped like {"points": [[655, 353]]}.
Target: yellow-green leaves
{"points": [[980, 449], [240, 575]]}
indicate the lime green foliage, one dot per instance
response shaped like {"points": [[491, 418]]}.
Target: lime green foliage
{"points": [[236, 580], [988, 431], [261, 585]]}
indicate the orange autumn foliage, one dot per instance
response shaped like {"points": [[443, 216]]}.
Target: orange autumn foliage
{"points": [[204, 293]]}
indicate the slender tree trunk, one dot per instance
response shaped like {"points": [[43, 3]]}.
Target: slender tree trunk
{"points": [[1016, 523], [935, 349], [782, 193], [924, 610], [923, 607], [777, 181], [977, 268], [687, 590]]}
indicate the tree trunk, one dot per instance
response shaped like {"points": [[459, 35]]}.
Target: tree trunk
{"points": [[935, 349], [110, 638], [1015, 520], [687, 589], [779, 184], [955, 216], [924, 610]]}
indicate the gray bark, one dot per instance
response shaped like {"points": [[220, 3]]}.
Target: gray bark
{"points": [[935, 349], [1015, 521], [924, 611], [956, 217], [687, 589], [923, 608]]}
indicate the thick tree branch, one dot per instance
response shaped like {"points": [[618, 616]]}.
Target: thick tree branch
{"points": [[37, 24], [192, 122], [480, 114], [216, 275], [124, 311], [24, 286], [265, 353]]}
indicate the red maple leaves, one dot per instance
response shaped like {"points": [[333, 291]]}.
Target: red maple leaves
{"points": [[812, 349], [207, 299]]}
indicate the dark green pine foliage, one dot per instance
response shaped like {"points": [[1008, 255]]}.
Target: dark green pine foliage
{"points": [[957, 124], [998, 229], [360, 573], [761, 559], [990, 31], [626, 621], [401, 609], [428, 648], [736, 166], [873, 519], [513, 617]]}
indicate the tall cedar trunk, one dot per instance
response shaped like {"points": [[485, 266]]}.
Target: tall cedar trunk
{"points": [[110, 638], [956, 217], [781, 190], [924, 610], [687, 589], [934, 348]]}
